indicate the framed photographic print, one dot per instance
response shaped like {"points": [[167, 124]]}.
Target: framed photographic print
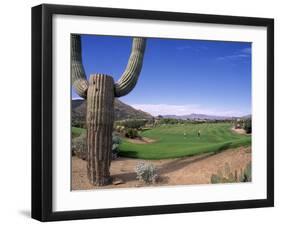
{"points": [[145, 112]]}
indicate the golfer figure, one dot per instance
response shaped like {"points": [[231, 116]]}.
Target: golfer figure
{"points": [[199, 133]]}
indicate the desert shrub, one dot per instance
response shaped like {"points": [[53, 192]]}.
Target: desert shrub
{"points": [[146, 172], [78, 123], [116, 141], [119, 128], [131, 133], [248, 126], [77, 131], [246, 174], [132, 123], [169, 121], [228, 177], [79, 146]]}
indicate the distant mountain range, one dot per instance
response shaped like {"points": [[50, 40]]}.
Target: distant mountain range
{"points": [[194, 116], [246, 116], [125, 111]]}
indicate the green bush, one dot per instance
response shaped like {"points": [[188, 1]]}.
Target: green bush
{"points": [[131, 133], [170, 121], [78, 123], [132, 123], [248, 126], [119, 128]]}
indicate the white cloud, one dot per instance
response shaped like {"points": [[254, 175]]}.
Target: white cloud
{"points": [[167, 109], [231, 57], [243, 53]]}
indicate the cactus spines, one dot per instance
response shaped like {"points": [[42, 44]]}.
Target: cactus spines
{"points": [[130, 76], [100, 116], [100, 92], [79, 80]]}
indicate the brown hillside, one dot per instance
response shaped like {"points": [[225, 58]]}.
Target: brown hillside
{"points": [[122, 111]]}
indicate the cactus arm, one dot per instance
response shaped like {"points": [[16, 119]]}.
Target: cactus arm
{"points": [[78, 76], [130, 76]]}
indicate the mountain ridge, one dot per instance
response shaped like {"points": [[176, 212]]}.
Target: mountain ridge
{"points": [[121, 111], [194, 116]]}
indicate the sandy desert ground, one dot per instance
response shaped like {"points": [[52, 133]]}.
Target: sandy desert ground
{"points": [[181, 171]]}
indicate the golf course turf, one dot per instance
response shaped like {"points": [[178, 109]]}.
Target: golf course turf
{"points": [[180, 140], [174, 141]]}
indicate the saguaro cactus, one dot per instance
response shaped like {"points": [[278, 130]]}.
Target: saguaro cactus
{"points": [[100, 92]]}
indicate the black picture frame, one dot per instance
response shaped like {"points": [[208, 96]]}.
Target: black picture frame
{"points": [[42, 111]]}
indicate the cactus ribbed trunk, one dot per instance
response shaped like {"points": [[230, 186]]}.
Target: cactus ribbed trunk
{"points": [[100, 92], [100, 117]]}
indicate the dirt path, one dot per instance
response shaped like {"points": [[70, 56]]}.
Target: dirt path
{"points": [[140, 140], [188, 170]]}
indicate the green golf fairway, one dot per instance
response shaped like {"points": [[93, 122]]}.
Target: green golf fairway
{"points": [[170, 141]]}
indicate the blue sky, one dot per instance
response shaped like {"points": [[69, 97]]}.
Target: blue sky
{"points": [[178, 76]]}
